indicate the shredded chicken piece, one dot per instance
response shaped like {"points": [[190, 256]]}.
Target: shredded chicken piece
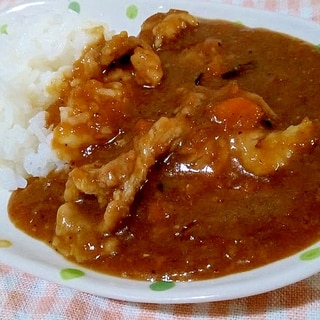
{"points": [[262, 152], [116, 183], [160, 139], [205, 56], [124, 176], [147, 65], [172, 25], [99, 180], [74, 236], [117, 47], [102, 180], [121, 178], [89, 97]]}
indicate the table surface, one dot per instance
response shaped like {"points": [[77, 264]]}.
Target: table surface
{"points": [[23, 296]]}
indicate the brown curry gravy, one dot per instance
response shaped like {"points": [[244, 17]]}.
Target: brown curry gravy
{"points": [[190, 227]]}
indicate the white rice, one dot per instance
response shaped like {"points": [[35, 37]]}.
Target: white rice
{"points": [[35, 51]]}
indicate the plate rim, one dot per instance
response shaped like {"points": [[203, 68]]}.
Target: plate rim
{"points": [[146, 295]]}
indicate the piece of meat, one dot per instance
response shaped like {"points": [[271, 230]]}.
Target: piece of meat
{"points": [[116, 183], [160, 139], [172, 25], [146, 63], [147, 67], [262, 152]]}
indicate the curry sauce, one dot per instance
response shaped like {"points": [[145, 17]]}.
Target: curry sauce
{"points": [[206, 201]]}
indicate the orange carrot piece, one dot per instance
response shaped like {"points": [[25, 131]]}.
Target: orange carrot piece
{"points": [[237, 113]]}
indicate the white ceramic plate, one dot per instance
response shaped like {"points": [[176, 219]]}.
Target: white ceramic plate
{"points": [[23, 252]]}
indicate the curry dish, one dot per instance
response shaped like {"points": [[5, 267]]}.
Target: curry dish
{"points": [[191, 149]]}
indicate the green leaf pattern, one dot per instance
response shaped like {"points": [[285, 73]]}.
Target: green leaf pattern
{"points": [[75, 6], [70, 273], [3, 29], [132, 11], [161, 285], [310, 254], [5, 243]]}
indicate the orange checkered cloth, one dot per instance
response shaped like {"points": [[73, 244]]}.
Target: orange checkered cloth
{"points": [[23, 296]]}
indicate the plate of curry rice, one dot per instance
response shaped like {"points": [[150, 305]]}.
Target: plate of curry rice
{"points": [[160, 151]]}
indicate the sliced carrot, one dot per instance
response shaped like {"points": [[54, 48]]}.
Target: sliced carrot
{"points": [[237, 113]]}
